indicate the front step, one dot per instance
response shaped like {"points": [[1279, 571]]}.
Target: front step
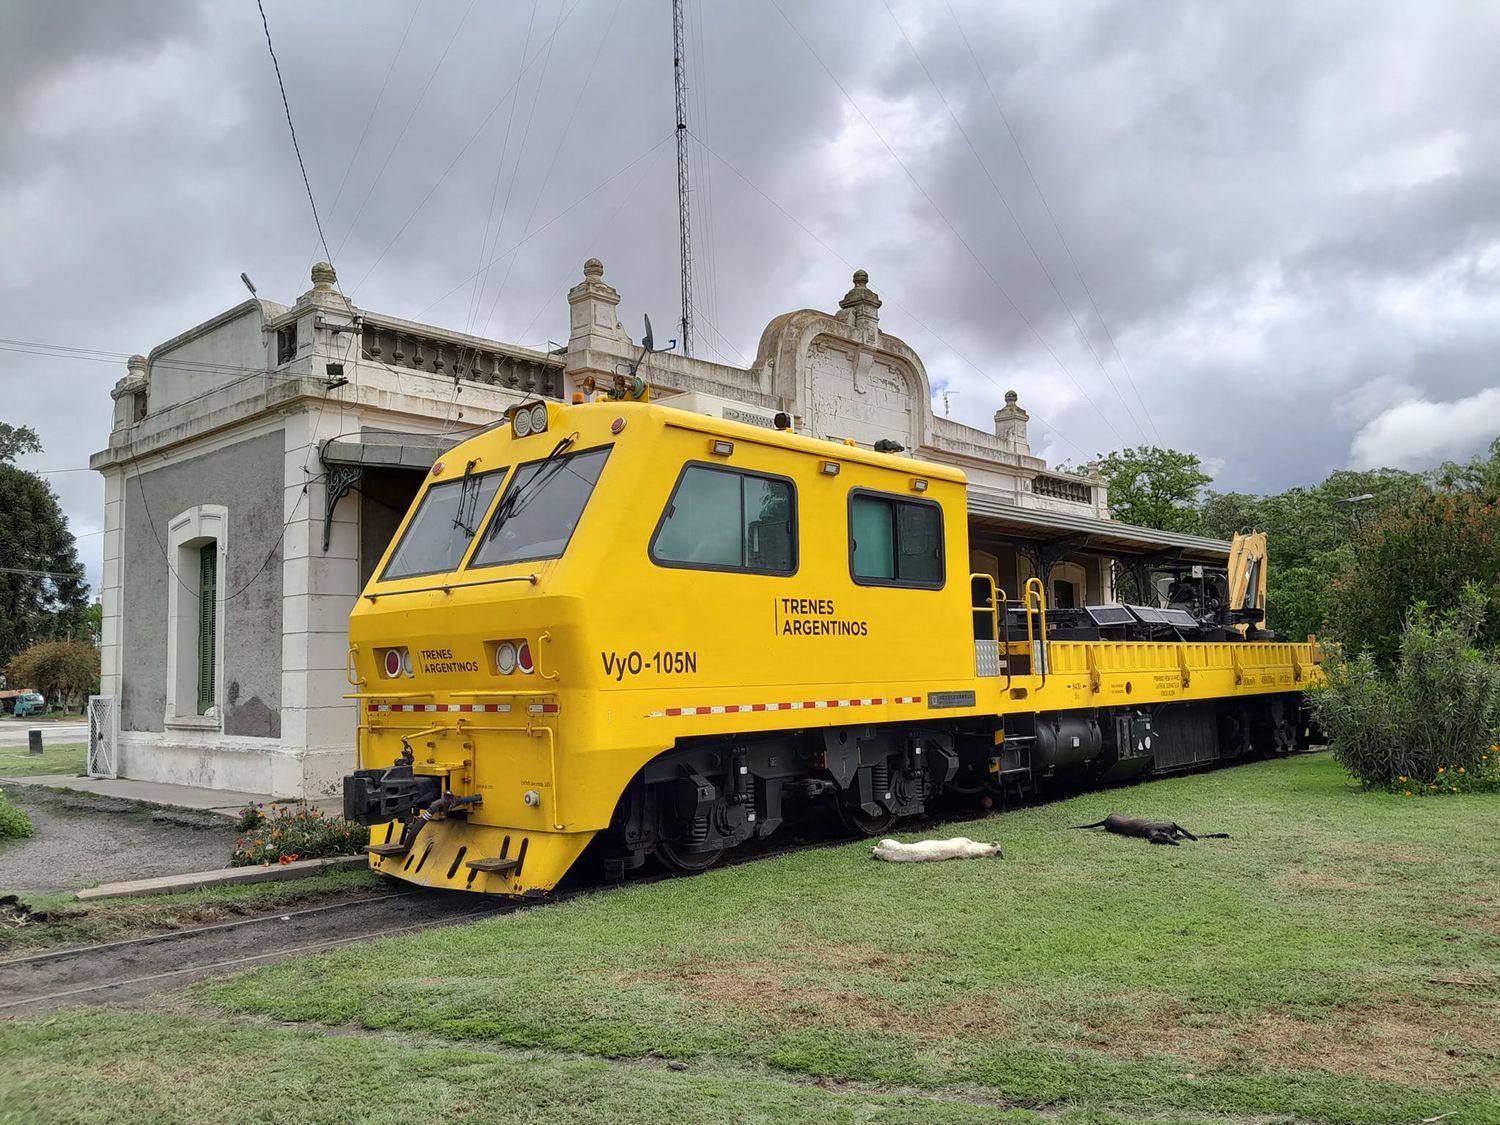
{"points": [[398, 848], [494, 866]]}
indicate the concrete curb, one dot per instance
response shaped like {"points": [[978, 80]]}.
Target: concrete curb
{"points": [[223, 877]]}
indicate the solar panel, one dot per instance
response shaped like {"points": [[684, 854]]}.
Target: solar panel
{"points": [[1179, 617], [1147, 615], [1110, 614]]}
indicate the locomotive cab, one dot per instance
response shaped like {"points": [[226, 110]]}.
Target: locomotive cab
{"points": [[591, 587]]}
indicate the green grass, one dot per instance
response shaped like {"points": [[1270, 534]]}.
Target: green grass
{"points": [[105, 1067], [59, 921], [1289, 970], [1336, 961], [18, 762]]}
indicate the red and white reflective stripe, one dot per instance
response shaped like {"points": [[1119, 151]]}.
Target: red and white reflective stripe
{"points": [[804, 705], [464, 708]]}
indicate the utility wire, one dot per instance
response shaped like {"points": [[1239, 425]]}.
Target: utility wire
{"points": [[1057, 229], [604, 224], [465, 148], [370, 120], [905, 310], [1010, 213], [384, 164], [295, 146], [985, 269], [481, 279], [562, 137], [585, 197]]}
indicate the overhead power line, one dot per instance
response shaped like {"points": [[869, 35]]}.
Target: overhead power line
{"points": [[1014, 219], [566, 15], [937, 210], [317, 222], [904, 310], [1052, 218]]}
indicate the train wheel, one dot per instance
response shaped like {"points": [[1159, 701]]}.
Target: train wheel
{"points": [[861, 823], [675, 859]]}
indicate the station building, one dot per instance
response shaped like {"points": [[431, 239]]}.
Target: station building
{"points": [[259, 464]]}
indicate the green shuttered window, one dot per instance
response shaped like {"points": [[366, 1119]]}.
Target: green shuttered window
{"points": [[208, 581]]}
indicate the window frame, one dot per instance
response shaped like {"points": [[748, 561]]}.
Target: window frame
{"points": [[411, 519], [732, 470], [469, 563], [896, 498]]}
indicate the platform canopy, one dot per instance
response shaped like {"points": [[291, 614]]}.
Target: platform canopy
{"points": [[996, 517]]}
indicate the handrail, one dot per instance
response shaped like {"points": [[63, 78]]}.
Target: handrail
{"points": [[1002, 606], [544, 638], [1035, 596], [355, 680], [991, 607], [449, 587]]}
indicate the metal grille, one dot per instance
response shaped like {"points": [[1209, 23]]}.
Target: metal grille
{"points": [[104, 736], [986, 658]]}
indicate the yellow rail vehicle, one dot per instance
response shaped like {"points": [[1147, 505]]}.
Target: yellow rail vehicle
{"points": [[621, 619]]}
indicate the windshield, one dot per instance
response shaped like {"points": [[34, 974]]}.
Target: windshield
{"points": [[536, 516], [444, 526]]}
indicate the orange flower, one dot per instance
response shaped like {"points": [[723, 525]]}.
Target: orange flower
{"points": [[1462, 769], [1401, 778], [1408, 792], [1441, 770], [289, 858]]}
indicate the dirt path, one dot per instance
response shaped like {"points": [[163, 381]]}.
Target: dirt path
{"points": [[81, 840]]}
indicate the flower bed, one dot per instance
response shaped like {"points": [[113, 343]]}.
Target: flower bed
{"points": [[285, 833]]}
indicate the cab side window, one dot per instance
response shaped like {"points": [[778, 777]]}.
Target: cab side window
{"points": [[895, 542], [722, 519]]}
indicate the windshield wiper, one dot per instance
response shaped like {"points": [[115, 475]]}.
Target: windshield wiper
{"points": [[510, 502], [468, 493]]}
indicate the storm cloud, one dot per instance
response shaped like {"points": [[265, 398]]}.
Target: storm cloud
{"points": [[1267, 233]]}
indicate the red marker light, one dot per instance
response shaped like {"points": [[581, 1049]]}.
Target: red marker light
{"points": [[392, 663], [523, 658], [437, 468], [617, 425]]}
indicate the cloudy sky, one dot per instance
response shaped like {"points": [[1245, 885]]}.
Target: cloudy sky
{"points": [[1267, 233]]}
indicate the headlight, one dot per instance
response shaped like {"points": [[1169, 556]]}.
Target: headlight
{"points": [[520, 421], [505, 658], [538, 418]]}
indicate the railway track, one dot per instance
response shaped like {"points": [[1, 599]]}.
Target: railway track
{"points": [[126, 970], [133, 968]]}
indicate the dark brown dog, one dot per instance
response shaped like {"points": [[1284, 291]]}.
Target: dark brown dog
{"points": [[1156, 831]]}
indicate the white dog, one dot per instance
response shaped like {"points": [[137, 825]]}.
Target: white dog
{"points": [[961, 847]]}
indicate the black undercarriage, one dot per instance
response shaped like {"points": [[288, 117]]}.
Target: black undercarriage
{"points": [[707, 795]]}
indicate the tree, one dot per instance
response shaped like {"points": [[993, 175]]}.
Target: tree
{"points": [[1154, 487], [1481, 474], [42, 590], [1309, 532], [17, 441], [62, 670], [1427, 547]]}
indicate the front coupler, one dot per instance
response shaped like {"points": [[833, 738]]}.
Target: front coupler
{"points": [[393, 793]]}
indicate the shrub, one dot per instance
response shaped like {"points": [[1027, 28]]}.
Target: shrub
{"points": [[1432, 715], [292, 832], [14, 823]]}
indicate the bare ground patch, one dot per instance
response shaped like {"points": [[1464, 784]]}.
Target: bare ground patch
{"points": [[1419, 1041]]}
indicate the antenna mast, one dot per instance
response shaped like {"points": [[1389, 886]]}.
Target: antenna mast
{"points": [[684, 218]]}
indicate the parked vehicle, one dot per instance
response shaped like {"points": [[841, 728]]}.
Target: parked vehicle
{"points": [[32, 703]]}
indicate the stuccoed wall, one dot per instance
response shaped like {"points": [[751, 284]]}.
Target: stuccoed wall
{"points": [[247, 479]]}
